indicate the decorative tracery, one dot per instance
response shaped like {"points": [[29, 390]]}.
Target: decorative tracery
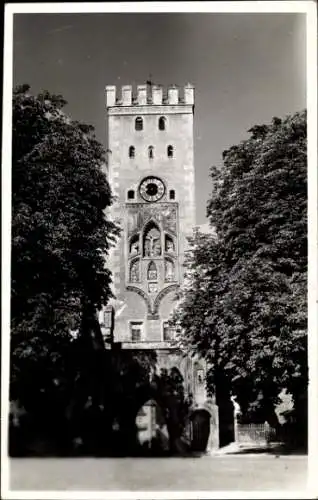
{"points": [[152, 250]]}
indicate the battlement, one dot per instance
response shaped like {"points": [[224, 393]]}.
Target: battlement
{"points": [[149, 95]]}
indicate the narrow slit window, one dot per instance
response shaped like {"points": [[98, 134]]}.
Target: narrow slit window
{"points": [[151, 152], [131, 152], [138, 123], [170, 151], [172, 194]]}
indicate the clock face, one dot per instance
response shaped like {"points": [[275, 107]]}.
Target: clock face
{"points": [[152, 189]]}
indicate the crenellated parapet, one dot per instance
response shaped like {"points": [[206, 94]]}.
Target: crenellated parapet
{"points": [[154, 95]]}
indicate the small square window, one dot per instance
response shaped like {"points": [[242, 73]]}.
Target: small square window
{"points": [[170, 151], [131, 194], [136, 331]]}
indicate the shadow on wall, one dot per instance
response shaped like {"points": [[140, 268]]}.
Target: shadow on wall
{"points": [[74, 418]]}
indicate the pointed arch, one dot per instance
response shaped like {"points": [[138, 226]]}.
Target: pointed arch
{"points": [[161, 295], [141, 293]]}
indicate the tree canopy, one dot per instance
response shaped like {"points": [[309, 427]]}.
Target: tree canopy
{"points": [[61, 237], [244, 307]]}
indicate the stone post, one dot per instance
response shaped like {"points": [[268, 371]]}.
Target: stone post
{"points": [[213, 442]]}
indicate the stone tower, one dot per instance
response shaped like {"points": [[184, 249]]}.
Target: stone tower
{"points": [[151, 172]]}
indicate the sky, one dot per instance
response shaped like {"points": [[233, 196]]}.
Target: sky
{"points": [[246, 68]]}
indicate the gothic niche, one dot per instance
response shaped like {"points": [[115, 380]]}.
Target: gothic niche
{"points": [[134, 246], [152, 276], [151, 241], [134, 271], [169, 270], [169, 244]]}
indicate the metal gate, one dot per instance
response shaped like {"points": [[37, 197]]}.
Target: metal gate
{"points": [[200, 430]]}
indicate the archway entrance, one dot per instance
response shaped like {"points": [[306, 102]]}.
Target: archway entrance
{"points": [[200, 430]]}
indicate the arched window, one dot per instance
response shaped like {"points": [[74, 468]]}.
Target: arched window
{"points": [[172, 194], [151, 152], [138, 123], [131, 152], [134, 272], [162, 123], [152, 271], [170, 151], [151, 241], [169, 270], [131, 194]]}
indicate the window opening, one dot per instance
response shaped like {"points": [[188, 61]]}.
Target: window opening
{"points": [[162, 123], [138, 123], [168, 332], [151, 152], [136, 331]]}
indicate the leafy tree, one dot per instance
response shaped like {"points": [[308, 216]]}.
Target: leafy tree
{"points": [[60, 238], [244, 304]]}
